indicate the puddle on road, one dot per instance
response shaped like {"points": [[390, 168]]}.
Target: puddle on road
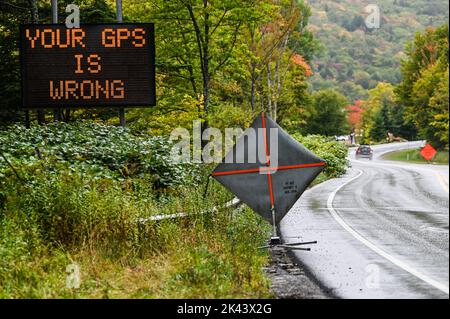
{"points": [[315, 204], [433, 220], [440, 230]]}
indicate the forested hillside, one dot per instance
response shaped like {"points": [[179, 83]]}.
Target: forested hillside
{"points": [[354, 58]]}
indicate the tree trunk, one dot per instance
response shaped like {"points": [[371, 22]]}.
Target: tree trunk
{"points": [[205, 71], [253, 90], [278, 88], [206, 59], [269, 88], [203, 48], [253, 71], [278, 78]]}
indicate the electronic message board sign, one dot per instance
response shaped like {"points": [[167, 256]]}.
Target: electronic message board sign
{"points": [[96, 65]]}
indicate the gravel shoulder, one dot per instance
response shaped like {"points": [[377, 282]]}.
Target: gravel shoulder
{"points": [[291, 280]]}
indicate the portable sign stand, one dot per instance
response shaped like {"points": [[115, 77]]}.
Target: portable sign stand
{"points": [[272, 186]]}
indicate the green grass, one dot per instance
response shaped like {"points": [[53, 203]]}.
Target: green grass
{"points": [[414, 156], [51, 222]]}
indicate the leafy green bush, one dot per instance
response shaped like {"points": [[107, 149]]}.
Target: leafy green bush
{"points": [[97, 150], [334, 153]]}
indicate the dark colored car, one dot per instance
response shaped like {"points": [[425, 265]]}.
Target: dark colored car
{"points": [[364, 151]]}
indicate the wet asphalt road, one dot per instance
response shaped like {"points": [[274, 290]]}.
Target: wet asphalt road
{"points": [[382, 229]]}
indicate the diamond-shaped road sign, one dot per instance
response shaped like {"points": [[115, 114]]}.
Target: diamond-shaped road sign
{"points": [[428, 152], [273, 181]]}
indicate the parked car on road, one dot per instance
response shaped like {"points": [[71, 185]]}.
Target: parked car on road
{"points": [[364, 151], [342, 138]]}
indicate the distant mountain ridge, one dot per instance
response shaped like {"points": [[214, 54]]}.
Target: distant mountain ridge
{"points": [[354, 58]]}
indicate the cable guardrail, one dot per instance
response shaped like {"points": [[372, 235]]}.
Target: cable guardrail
{"points": [[234, 202]]}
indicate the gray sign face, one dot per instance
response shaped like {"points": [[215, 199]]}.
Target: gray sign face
{"points": [[275, 180]]}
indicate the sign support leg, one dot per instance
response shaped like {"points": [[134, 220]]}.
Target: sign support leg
{"points": [[27, 119], [34, 9], [122, 116], [119, 10], [56, 112], [275, 239], [54, 11], [120, 19]]}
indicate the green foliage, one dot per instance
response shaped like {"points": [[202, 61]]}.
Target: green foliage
{"points": [[380, 114], [378, 129], [228, 116], [10, 18], [100, 151], [334, 153], [440, 123], [297, 104], [329, 116], [423, 91], [197, 42]]}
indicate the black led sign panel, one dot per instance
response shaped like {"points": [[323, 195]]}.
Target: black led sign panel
{"points": [[96, 65]]}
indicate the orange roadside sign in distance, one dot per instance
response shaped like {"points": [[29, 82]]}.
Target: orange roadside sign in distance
{"points": [[428, 152]]}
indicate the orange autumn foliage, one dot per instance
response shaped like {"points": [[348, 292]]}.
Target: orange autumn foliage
{"points": [[297, 59], [354, 114]]}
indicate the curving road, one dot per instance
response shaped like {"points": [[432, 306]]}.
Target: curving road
{"points": [[382, 229]]}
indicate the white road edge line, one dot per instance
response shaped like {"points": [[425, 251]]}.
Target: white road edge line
{"points": [[379, 251], [442, 181]]}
